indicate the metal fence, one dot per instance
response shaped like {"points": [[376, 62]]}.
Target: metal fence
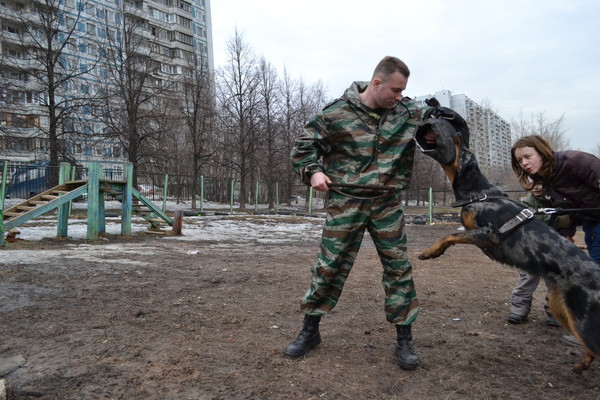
{"points": [[26, 181]]}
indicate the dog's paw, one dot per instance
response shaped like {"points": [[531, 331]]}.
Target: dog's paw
{"points": [[427, 255]]}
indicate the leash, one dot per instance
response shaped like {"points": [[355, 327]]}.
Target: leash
{"points": [[376, 188], [566, 211], [528, 213], [525, 214]]}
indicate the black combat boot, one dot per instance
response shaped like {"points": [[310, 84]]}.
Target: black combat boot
{"points": [[407, 358], [308, 338]]}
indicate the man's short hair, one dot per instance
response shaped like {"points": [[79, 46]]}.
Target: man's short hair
{"points": [[388, 65]]}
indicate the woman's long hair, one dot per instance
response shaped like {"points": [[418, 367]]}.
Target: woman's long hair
{"points": [[545, 151]]}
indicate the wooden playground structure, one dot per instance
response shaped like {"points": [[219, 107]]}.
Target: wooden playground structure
{"points": [[60, 197]]}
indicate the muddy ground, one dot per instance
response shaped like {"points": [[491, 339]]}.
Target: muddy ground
{"points": [[151, 317]]}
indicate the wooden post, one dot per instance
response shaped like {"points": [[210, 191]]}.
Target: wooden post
{"points": [[62, 224], [177, 222], [93, 200], [126, 201]]}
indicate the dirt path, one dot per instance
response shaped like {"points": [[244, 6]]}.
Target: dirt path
{"points": [[168, 318]]}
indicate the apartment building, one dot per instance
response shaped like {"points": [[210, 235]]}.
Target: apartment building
{"points": [[176, 34], [490, 137]]}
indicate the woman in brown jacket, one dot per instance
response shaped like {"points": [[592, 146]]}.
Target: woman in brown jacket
{"points": [[569, 177]]}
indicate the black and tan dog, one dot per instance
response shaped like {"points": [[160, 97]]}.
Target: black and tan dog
{"points": [[507, 233]]}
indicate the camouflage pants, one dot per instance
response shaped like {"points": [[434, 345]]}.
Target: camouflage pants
{"points": [[343, 232]]}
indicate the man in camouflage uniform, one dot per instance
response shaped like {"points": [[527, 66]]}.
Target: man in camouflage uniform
{"points": [[365, 138]]}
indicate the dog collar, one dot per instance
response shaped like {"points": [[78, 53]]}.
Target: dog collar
{"points": [[485, 197]]}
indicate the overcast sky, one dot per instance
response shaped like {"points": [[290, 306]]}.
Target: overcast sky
{"points": [[524, 56]]}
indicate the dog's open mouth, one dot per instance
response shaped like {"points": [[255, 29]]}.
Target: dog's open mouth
{"points": [[423, 130], [442, 148]]}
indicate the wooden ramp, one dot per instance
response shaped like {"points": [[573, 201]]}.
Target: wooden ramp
{"points": [[43, 203], [60, 196], [140, 206]]}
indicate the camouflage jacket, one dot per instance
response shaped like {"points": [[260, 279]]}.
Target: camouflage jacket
{"points": [[351, 143], [561, 223]]}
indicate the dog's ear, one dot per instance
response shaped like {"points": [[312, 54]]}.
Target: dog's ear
{"points": [[432, 102]]}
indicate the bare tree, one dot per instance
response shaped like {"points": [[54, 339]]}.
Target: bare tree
{"points": [[310, 100], [47, 72], [426, 174], [291, 128], [134, 97], [270, 109], [198, 109], [238, 97], [552, 131]]}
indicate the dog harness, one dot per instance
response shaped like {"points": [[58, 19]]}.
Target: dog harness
{"points": [[525, 215]]}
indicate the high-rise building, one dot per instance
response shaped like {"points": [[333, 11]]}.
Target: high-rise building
{"points": [[174, 34], [490, 135]]}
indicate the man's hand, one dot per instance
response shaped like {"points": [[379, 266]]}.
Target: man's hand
{"points": [[430, 138], [319, 181]]}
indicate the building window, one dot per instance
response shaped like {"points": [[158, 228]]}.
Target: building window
{"points": [[183, 38], [70, 22], [185, 6], [91, 29], [11, 29], [188, 56], [185, 22], [161, 15], [19, 120]]}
